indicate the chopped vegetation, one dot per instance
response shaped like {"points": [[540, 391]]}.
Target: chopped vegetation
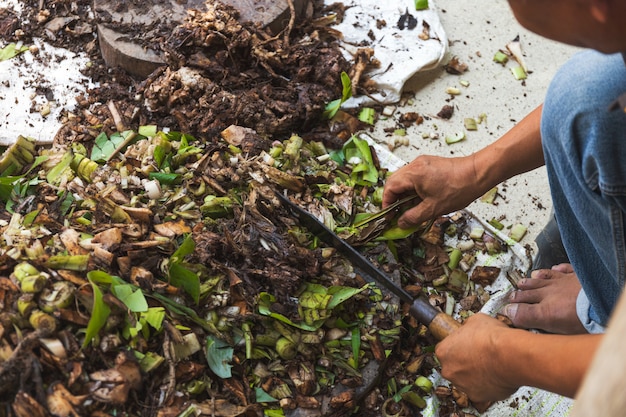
{"points": [[147, 268]]}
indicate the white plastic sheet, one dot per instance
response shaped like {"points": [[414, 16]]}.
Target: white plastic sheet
{"points": [[29, 83], [402, 52]]}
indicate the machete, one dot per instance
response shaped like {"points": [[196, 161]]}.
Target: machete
{"points": [[439, 323]]}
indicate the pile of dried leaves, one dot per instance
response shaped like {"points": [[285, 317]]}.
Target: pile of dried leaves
{"points": [[149, 271]]}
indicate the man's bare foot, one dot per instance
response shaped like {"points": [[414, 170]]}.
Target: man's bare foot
{"points": [[547, 301]]}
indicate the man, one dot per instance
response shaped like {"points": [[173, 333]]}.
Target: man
{"points": [[583, 145]]}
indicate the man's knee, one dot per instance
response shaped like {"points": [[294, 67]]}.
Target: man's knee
{"points": [[586, 84]]}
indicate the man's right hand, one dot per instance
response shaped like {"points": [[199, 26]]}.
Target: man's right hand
{"points": [[443, 185]]}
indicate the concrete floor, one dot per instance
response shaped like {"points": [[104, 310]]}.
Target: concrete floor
{"points": [[476, 30]]}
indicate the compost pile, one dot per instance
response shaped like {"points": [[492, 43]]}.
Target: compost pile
{"points": [[147, 267]]}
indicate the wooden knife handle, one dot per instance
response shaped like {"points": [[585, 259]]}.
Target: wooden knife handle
{"points": [[442, 325]]}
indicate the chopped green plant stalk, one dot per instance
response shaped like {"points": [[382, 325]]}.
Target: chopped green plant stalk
{"points": [[217, 207], [414, 398], [84, 167], [457, 281], [477, 233], [517, 232], [59, 169], [496, 224], [293, 147], [454, 138], [23, 270], [519, 73], [501, 58], [421, 4], [490, 196], [70, 262], [42, 321], [424, 383], [188, 347], [149, 361], [470, 123], [366, 115], [464, 83], [286, 348], [196, 387], [17, 157], [450, 302], [356, 347], [317, 148], [247, 334], [400, 132], [281, 391], [455, 258], [442, 280], [26, 304], [33, 283]]}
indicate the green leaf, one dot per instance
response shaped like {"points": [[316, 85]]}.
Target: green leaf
{"points": [[66, 199], [185, 248], [166, 178], [338, 156], [398, 396], [6, 187], [219, 355], [365, 172], [58, 169], [38, 161], [101, 277], [29, 218], [99, 315], [341, 294], [397, 233], [265, 302], [154, 317], [279, 412], [181, 277], [333, 107], [11, 51], [366, 115], [262, 396], [183, 310], [131, 296], [347, 86], [148, 130], [159, 155], [104, 146]]}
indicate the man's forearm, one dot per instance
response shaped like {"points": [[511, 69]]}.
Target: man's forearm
{"points": [[518, 151], [556, 363]]}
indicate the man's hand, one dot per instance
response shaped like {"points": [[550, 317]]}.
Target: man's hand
{"points": [[471, 359], [443, 185]]}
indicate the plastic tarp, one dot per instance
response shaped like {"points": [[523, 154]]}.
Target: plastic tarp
{"points": [[405, 41]]}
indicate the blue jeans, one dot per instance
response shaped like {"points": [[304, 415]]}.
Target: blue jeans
{"points": [[584, 145]]}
